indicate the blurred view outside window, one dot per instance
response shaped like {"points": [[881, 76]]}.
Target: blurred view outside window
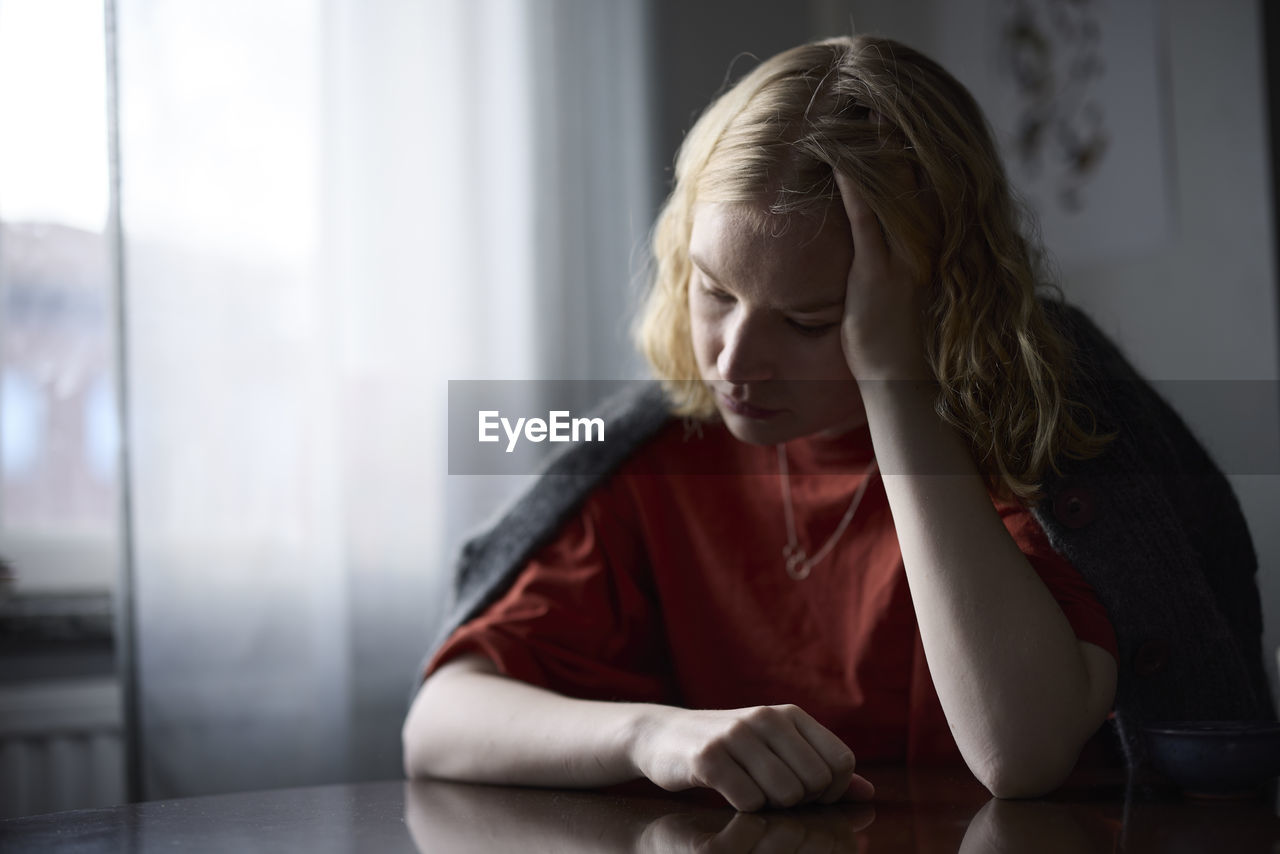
{"points": [[61, 729], [58, 422]]}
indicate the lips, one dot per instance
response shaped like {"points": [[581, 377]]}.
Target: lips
{"points": [[745, 409]]}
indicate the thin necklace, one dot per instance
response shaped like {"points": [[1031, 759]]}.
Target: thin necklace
{"points": [[798, 562]]}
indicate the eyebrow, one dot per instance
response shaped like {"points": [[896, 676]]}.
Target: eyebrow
{"points": [[812, 307]]}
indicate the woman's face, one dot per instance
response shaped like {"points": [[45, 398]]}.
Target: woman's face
{"points": [[765, 310]]}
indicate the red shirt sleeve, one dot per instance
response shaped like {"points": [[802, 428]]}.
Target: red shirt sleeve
{"points": [[581, 617], [1083, 610]]}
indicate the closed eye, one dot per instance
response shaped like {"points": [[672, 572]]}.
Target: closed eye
{"points": [[717, 295], [812, 330]]}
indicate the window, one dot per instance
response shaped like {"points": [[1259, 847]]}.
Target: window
{"points": [[59, 435]]}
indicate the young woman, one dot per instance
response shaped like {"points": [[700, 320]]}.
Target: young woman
{"points": [[889, 502]]}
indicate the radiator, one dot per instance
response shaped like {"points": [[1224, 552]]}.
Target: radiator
{"points": [[60, 746]]}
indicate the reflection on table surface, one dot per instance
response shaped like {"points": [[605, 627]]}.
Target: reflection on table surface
{"points": [[922, 810]]}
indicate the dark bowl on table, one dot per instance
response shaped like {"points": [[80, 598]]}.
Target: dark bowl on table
{"points": [[1215, 757]]}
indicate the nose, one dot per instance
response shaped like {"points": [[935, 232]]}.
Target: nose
{"points": [[745, 351]]}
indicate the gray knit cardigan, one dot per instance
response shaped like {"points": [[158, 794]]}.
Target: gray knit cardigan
{"points": [[1151, 524]]}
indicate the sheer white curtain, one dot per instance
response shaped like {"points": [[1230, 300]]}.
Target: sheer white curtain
{"points": [[331, 208]]}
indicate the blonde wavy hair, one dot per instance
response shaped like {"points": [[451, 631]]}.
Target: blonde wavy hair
{"points": [[919, 149]]}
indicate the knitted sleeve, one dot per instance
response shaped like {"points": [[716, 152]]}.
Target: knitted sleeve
{"points": [[490, 560], [1156, 529]]}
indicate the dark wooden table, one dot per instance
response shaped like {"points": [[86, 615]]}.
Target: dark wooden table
{"points": [[936, 810]]}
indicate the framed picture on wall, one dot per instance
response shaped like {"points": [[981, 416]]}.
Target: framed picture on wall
{"points": [[1078, 101]]}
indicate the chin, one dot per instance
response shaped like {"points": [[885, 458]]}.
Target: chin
{"points": [[760, 432], [784, 427]]}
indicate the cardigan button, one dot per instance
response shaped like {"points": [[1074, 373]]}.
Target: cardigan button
{"points": [[1151, 658], [1073, 507]]}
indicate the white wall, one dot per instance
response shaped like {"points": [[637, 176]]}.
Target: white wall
{"points": [[1202, 306]]}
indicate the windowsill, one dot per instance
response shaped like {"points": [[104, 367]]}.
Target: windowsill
{"points": [[67, 561], [56, 636]]}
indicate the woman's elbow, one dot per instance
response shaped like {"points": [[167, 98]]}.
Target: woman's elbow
{"points": [[412, 750], [1026, 774], [419, 750], [433, 738], [1013, 785], [425, 754], [1037, 756]]}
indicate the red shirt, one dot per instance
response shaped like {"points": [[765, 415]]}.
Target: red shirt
{"points": [[670, 587]]}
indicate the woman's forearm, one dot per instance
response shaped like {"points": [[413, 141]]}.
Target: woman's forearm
{"points": [[1020, 692], [469, 723]]}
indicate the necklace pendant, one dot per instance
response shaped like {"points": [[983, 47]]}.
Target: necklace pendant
{"points": [[797, 561]]}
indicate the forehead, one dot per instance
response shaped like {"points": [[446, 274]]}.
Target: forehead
{"points": [[744, 247]]}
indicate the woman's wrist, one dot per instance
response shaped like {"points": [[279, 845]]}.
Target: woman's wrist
{"points": [[636, 735], [908, 364]]}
